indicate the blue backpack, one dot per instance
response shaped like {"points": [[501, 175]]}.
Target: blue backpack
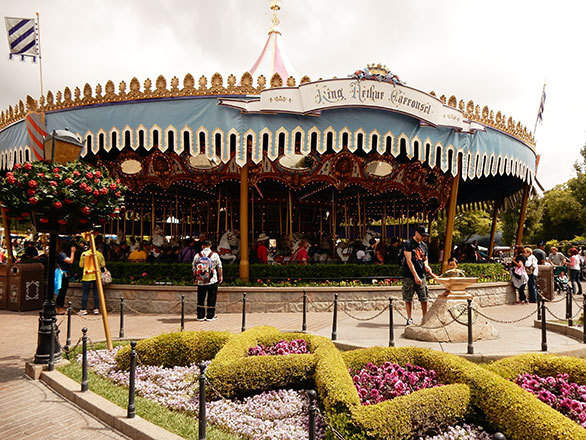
{"points": [[203, 269]]}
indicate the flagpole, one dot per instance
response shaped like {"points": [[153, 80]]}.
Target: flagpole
{"points": [[40, 57]]}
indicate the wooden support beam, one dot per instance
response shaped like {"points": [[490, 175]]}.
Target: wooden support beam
{"points": [[522, 216], [244, 269], [450, 221]]}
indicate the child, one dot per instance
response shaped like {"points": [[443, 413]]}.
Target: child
{"points": [[88, 281], [453, 270]]}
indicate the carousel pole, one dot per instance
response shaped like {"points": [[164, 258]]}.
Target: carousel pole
{"points": [[141, 223], [218, 213], [226, 215], [280, 220], [191, 220], [495, 214], [252, 235], [290, 216], [176, 213], [208, 219], [450, 220], [152, 215], [522, 216], [124, 224], [321, 226], [333, 224], [231, 216], [131, 215], [244, 269], [7, 240], [103, 309], [359, 221], [384, 223], [117, 225], [346, 225]]}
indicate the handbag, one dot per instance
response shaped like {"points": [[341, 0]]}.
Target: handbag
{"points": [[58, 280], [106, 276]]}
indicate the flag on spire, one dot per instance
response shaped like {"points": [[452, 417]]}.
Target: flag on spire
{"points": [[22, 37], [541, 106]]}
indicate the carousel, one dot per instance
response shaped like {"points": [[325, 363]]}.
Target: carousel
{"points": [[333, 160]]}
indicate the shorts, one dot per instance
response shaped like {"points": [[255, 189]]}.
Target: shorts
{"points": [[409, 287]]}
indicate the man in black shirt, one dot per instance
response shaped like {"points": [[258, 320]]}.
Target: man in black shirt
{"points": [[415, 267], [539, 252]]}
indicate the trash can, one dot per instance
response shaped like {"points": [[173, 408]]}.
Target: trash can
{"points": [[3, 285], [26, 287], [545, 281]]}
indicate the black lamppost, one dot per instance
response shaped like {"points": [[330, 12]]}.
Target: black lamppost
{"points": [[61, 146]]}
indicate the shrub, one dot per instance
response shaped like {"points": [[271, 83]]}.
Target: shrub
{"points": [[234, 373], [175, 349]]}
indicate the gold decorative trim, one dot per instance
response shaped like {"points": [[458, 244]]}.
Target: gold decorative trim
{"points": [[81, 98]]}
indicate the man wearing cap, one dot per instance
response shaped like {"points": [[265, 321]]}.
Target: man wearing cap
{"points": [[262, 252], [415, 267], [539, 252]]}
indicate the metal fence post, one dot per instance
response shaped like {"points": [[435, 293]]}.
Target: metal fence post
{"points": [[243, 328], [84, 386], [304, 322], [335, 323], [131, 382], [543, 328], [182, 312], [68, 340], [52, 348], [121, 333], [470, 347], [202, 401], [312, 413], [584, 318], [391, 324], [499, 436], [569, 313], [539, 299]]}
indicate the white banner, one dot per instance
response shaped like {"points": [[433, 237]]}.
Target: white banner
{"points": [[311, 98]]}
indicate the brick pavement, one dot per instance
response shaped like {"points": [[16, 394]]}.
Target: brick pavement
{"points": [[30, 410]]}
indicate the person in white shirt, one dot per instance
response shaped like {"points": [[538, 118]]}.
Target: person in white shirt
{"points": [[207, 268], [575, 267], [532, 269]]}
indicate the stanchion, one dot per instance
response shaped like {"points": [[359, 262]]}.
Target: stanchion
{"points": [[84, 360], [391, 324], [543, 328], [202, 401], [121, 332], [68, 340], [312, 413], [584, 319], [131, 382], [335, 323], [470, 347], [52, 348], [243, 328], [569, 312], [304, 323], [539, 299], [499, 436], [182, 312]]}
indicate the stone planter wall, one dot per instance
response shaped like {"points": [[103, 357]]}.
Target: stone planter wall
{"points": [[167, 299]]}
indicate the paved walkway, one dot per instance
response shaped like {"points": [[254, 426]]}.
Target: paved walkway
{"points": [[30, 410]]}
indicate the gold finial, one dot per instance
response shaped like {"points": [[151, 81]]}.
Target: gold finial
{"points": [[275, 7]]}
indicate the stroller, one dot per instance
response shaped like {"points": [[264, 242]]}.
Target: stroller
{"points": [[561, 281]]}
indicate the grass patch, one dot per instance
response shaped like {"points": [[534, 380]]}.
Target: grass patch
{"points": [[182, 424]]}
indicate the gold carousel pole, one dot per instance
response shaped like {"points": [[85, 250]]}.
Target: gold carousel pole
{"points": [[8, 241], [152, 215], [522, 216], [290, 216], [244, 269], [334, 224], [190, 220], [495, 214], [450, 220], [176, 214], [124, 224], [280, 220], [132, 224], [118, 225], [141, 223], [226, 216], [359, 223], [103, 309], [218, 213], [321, 225], [252, 216], [384, 223]]}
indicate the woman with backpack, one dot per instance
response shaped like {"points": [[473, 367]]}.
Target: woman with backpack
{"points": [[207, 269]]}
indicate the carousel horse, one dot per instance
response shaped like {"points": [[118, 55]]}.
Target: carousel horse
{"points": [[229, 247], [158, 236], [344, 249], [370, 234], [322, 253]]}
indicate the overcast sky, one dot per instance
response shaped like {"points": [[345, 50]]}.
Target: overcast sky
{"points": [[497, 53]]}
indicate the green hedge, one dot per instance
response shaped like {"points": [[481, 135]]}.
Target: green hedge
{"points": [[178, 348], [234, 373], [180, 273]]}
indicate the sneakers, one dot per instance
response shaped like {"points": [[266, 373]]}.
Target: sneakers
{"points": [[82, 312], [200, 319], [96, 311], [409, 322], [212, 319]]}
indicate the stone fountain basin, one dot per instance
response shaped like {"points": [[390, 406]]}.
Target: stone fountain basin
{"points": [[456, 286]]}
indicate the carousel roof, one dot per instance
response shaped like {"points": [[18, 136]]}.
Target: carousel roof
{"points": [[273, 58]]}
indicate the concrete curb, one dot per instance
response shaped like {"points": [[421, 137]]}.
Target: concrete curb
{"points": [[104, 410]]}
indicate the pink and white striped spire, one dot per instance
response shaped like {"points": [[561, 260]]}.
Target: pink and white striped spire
{"points": [[273, 58]]}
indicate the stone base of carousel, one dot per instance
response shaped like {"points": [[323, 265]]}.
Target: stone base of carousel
{"points": [[167, 299], [446, 321]]}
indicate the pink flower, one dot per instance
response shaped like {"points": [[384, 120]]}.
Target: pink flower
{"points": [[53, 183], [104, 191], [85, 210], [17, 166], [98, 174], [113, 186], [118, 193], [27, 166], [68, 201], [89, 175], [76, 173], [58, 204], [62, 222], [68, 181], [11, 180], [32, 183], [44, 220], [96, 192], [33, 201]]}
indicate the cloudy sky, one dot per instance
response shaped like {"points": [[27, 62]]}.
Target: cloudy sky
{"points": [[497, 53]]}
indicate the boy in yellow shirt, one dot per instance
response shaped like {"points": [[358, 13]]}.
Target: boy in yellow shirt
{"points": [[88, 280]]}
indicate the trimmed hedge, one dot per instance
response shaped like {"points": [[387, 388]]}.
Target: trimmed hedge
{"points": [[178, 348], [234, 373], [541, 364], [178, 273]]}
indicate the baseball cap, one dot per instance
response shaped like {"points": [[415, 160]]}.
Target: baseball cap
{"points": [[422, 230]]}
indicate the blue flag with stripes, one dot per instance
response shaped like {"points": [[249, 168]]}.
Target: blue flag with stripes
{"points": [[22, 36]]}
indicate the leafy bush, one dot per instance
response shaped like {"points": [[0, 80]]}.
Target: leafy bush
{"points": [[234, 373], [175, 349]]}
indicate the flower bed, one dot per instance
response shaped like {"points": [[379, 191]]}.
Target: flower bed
{"points": [[569, 398], [297, 346], [377, 384]]}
